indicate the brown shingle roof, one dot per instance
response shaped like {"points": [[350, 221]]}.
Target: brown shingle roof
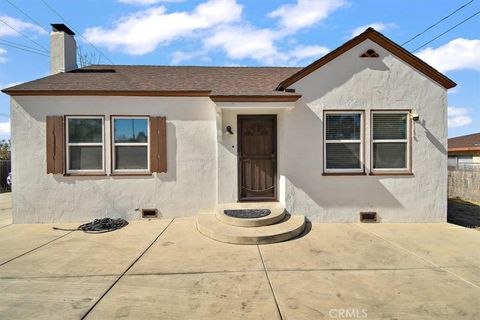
{"points": [[221, 81], [465, 143]]}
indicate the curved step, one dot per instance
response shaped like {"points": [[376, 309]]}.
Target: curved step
{"points": [[277, 214], [213, 228]]}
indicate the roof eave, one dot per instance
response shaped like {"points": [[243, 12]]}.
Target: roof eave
{"points": [[171, 93], [255, 98], [384, 42]]}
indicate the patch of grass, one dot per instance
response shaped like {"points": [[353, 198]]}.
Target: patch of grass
{"points": [[464, 213]]}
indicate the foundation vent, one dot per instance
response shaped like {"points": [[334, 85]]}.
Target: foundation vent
{"points": [[149, 213], [368, 217]]}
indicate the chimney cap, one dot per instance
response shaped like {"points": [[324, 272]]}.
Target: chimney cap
{"points": [[62, 27]]}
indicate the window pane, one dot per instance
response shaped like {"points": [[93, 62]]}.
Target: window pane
{"points": [[131, 130], [85, 158], [84, 130], [389, 155], [343, 155], [389, 126], [342, 126], [131, 157]]}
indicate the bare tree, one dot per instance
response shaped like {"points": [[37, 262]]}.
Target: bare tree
{"points": [[87, 58]]}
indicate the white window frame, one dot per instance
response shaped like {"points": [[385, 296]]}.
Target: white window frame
{"points": [[408, 142], [360, 141], [84, 144], [130, 144]]}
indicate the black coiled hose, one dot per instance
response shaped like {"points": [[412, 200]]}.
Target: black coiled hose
{"points": [[99, 225]]}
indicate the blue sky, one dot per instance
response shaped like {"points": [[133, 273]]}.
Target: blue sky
{"points": [[245, 32]]}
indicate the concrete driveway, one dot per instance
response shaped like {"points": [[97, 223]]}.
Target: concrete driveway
{"points": [[164, 269]]}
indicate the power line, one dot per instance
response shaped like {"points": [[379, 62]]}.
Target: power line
{"points": [[22, 47], [60, 16], [26, 15], [436, 23], [24, 35], [458, 24]]}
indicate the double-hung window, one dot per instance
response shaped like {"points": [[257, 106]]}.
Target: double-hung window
{"points": [[343, 143], [85, 144], [390, 141], [130, 144]]}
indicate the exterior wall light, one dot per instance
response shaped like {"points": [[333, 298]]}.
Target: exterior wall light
{"points": [[229, 130]]}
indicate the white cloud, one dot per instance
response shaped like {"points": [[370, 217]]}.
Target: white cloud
{"points": [[458, 117], [141, 32], [379, 26], [5, 128], [240, 42], [454, 90], [305, 52], [182, 56], [305, 13], [19, 25], [146, 2], [245, 41], [458, 54], [3, 59]]}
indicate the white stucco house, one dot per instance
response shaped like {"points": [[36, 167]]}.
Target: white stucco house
{"points": [[362, 129]]}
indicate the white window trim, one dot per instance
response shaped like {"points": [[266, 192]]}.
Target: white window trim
{"points": [[131, 144], [407, 141], [360, 141], [85, 144]]}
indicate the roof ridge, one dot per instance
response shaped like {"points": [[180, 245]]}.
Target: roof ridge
{"points": [[189, 66], [464, 136]]}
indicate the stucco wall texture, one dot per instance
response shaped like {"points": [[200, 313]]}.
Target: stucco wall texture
{"points": [[189, 184], [202, 157]]}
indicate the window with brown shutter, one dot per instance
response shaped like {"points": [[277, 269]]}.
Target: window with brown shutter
{"points": [[158, 144], [55, 144]]}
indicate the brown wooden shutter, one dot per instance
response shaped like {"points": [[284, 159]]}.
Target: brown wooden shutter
{"points": [[55, 144], [158, 144]]}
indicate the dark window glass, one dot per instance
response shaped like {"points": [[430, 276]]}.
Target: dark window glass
{"points": [[83, 130], [131, 157], [342, 126], [389, 155], [85, 158], [343, 156], [388, 126], [131, 130]]}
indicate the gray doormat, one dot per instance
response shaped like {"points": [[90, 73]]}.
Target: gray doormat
{"points": [[247, 213]]}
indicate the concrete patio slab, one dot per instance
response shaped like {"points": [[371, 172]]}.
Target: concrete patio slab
{"points": [[50, 298], [206, 296], [17, 239], [82, 254], [470, 274], [181, 242], [393, 294], [5, 209], [443, 244], [337, 246]]}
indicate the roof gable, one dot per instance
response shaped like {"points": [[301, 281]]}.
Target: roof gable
{"points": [[382, 41]]}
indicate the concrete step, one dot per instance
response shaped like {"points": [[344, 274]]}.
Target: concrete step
{"points": [[210, 226], [277, 214]]}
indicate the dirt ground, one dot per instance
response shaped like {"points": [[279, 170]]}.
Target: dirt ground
{"points": [[464, 213]]}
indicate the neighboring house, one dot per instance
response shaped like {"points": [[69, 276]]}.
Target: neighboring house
{"points": [[464, 152], [363, 128]]}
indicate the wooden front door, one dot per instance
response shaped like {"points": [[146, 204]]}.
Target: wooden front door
{"points": [[257, 157]]}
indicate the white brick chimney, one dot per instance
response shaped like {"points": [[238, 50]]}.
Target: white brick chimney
{"points": [[63, 49]]}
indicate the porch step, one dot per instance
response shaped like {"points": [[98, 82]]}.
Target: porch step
{"points": [[209, 225], [277, 213]]}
